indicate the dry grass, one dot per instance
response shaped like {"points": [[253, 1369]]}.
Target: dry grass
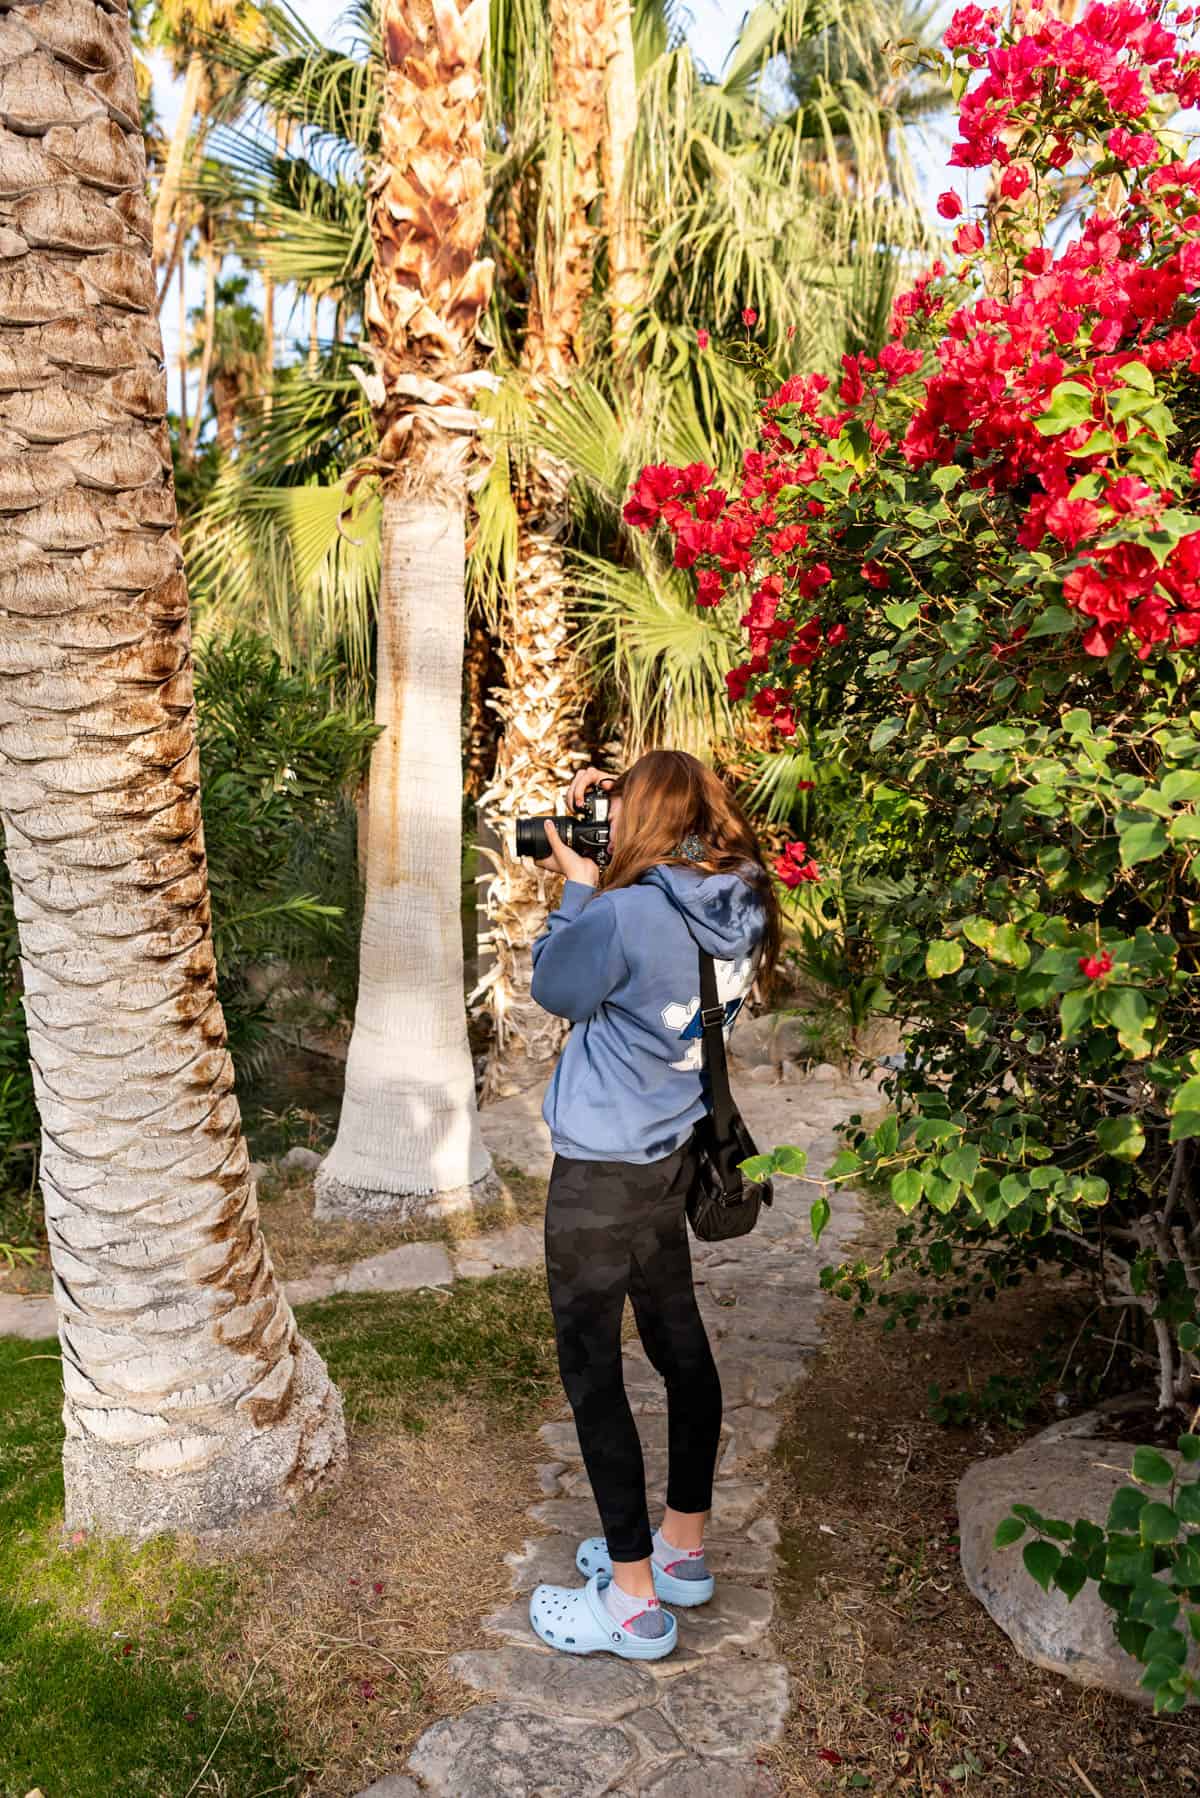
{"points": [[902, 1683], [354, 1609]]}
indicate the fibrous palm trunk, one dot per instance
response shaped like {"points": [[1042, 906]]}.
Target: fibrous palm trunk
{"points": [[191, 1398], [626, 251], [408, 1139], [541, 699]]}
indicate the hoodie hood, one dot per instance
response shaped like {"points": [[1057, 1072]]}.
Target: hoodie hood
{"points": [[723, 913]]}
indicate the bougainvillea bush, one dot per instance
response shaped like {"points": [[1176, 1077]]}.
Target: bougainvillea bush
{"points": [[970, 572]]}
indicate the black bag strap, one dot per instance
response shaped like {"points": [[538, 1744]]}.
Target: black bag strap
{"points": [[712, 1021]]}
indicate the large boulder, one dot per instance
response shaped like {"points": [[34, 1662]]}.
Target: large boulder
{"points": [[1060, 1476]]}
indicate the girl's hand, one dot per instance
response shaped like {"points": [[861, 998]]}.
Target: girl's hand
{"points": [[566, 862], [582, 784]]}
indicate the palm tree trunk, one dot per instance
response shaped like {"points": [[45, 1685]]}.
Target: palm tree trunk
{"points": [[626, 252], [540, 707], [543, 692], [209, 252], [185, 442], [191, 1398], [409, 1127], [408, 1138], [172, 175]]}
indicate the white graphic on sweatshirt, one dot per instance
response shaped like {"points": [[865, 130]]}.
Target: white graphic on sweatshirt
{"points": [[734, 980]]}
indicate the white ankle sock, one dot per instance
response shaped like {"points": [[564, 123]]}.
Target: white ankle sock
{"points": [[640, 1616], [683, 1563]]}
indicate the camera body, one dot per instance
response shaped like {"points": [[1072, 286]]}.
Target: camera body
{"points": [[587, 832]]}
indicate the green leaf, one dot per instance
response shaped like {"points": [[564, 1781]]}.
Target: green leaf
{"points": [[907, 1187], [758, 1167], [1159, 1672], [1128, 1010], [819, 1216], [962, 1164], [1122, 1137], [1189, 1446], [1076, 1009], [1187, 1502], [1136, 374], [1151, 1468], [1070, 404], [1055, 621], [1181, 786], [1185, 1110], [1042, 1561], [1171, 1644], [1008, 1531], [1124, 1513], [1009, 947], [790, 1161], [900, 615], [943, 957], [884, 731], [1157, 1524], [1142, 841], [1071, 1576]]}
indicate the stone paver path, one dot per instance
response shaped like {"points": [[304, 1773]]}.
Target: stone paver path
{"points": [[694, 1725]]}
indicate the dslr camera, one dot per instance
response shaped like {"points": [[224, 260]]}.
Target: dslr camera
{"points": [[586, 832]]}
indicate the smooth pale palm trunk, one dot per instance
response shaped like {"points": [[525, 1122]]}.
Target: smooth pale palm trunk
{"points": [[191, 1399], [408, 1140], [172, 175]]}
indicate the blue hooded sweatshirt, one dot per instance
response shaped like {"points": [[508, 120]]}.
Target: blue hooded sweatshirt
{"points": [[624, 967]]}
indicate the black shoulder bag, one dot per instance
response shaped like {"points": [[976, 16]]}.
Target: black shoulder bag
{"points": [[722, 1201]]}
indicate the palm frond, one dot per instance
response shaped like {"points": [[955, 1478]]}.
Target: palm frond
{"points": [[665, 660]]}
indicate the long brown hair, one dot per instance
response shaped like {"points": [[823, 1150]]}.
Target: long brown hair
{"points": [[667, 796]]}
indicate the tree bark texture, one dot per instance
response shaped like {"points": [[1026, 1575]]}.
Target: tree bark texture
{"points": [[191, 1399]]}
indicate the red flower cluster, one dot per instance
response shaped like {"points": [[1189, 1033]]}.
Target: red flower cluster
{"points": [[796, 866], [1048, 390], [1096, 966], [1117, 56]]}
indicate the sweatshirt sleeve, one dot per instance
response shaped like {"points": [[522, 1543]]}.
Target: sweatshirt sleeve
{"points": [[579, 959]]}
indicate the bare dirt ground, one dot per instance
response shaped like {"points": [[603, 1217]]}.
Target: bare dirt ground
{"points": [[902, 1683]]}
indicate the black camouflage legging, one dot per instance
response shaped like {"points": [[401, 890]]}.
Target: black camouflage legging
{"points": [[615, 1228]]}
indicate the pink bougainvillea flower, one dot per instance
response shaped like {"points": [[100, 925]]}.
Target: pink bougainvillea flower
{"points": [[1015, 181], [949, 204], [749, 315], [702, 339], [796, 866], [967, 239], [1096, 966]]}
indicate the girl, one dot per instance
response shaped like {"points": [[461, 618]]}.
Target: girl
{"points": [[620, 959]]}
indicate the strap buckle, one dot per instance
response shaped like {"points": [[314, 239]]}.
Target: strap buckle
{"points": [[712, 1016]]}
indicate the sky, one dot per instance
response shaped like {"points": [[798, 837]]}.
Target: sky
{"points": [[712, 30]]}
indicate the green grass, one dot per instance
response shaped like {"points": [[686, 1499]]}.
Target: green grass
{"points": [[107, 1651]]}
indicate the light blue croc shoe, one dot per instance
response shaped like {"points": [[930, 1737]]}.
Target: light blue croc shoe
{"points": [[593, 1557], [577, 1620]]}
